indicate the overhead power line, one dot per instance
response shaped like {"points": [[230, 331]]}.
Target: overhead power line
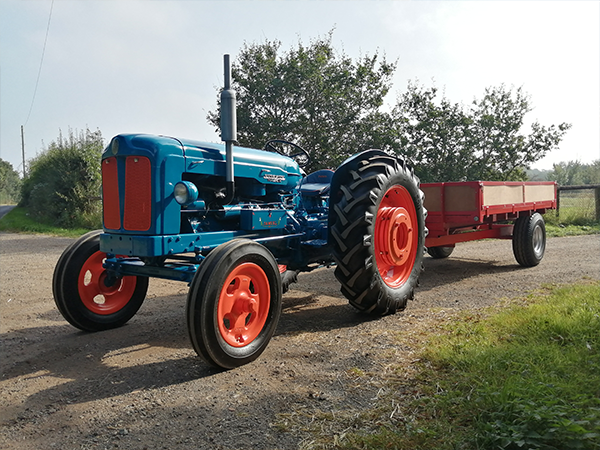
{"points": [[41, 63]]}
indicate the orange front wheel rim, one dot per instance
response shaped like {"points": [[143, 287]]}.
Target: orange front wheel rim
{"points": [[96, 294], [243, 305]]}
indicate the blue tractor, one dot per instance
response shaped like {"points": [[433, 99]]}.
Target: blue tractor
{"points": [[238, 225]]}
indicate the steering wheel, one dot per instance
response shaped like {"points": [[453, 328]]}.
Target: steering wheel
{"points": [[288, 149]]}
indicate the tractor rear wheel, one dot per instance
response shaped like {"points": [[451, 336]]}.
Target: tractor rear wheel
{"points": [[85, 294], [529, 240], [234, 303], [377, 231]]}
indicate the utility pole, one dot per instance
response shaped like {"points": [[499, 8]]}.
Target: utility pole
{"points": [[23, 150]]}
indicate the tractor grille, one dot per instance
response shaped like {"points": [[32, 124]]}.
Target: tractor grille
{"points": [[110, 194], [138, 194]]}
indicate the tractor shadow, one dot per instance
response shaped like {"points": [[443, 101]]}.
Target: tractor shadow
{"points": [[153, 350], [150, 352]]}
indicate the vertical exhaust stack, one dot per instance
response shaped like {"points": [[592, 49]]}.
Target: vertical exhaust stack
{"points": [[228, 129]]}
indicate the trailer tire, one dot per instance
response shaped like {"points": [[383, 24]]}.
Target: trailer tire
{"points": [[440, 252], [377, 231], [82, 295], [234, 303], [529, 240]]}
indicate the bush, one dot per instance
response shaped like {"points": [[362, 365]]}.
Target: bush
{"points": [[10, 183], [63, 184]]}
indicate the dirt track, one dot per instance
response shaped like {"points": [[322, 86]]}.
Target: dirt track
{"points": [[142, 386]]}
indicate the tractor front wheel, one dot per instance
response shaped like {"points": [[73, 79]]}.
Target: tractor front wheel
{"points": [[234, 303], [377, 231], [86, 295]]}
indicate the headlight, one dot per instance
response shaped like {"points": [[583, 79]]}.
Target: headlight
{"points": [[185, 192], [114, 146]]}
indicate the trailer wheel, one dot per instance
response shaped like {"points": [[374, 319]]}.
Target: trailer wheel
{"points": [[234, 303], [84, 293], [529, 240], [440, 252], [377, 231]]}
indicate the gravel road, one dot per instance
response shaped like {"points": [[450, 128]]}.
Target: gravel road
{"points": [[143, 387]]}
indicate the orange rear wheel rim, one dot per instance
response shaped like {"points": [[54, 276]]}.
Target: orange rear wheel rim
{"points": [[396, 236]]}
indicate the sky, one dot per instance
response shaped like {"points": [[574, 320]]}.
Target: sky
{"points": [[154, 67]]}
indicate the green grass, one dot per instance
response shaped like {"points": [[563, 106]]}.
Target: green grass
{"points": [[18, 221], [527, 377], [562, 230]]}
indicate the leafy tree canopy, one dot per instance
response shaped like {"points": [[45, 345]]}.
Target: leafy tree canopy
{"points": [[63, 184], [574, 173], [334, 107], [484, 141], [310, 95]]}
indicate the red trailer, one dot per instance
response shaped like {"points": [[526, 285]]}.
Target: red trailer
{"points": [[472, 210]]}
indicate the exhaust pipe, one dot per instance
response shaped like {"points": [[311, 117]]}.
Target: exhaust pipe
{"points": [[228, 130]]}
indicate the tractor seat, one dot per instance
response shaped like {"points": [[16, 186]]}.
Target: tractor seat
{"points": [[317, 183]]}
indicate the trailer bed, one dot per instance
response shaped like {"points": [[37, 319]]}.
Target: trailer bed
{"points": [[471, 210]]}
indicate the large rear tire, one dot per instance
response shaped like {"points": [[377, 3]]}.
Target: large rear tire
{"points": [[377, 231], [234, 303], [84, 293], [529, 240]]}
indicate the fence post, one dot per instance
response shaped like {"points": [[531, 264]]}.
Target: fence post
{"points": [[558, 202], [597, 198]]}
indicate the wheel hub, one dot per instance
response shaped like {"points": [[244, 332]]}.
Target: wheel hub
{"points": [[100, 292], [395, 230], [243, 305]]}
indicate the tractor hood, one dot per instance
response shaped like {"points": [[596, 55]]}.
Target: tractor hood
{"points": [[208, 158]]}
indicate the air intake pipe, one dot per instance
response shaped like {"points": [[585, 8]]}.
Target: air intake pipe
{"points": [[228, 130]]}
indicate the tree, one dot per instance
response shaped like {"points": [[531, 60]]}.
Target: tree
{"points": [[63, 184], [451, 142], [434, 134], [10, 183], [502, 151], [310, 95], [332, 106], [574, 173]]}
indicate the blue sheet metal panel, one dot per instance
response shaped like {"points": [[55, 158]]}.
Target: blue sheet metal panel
{"points": [[148, 246], [263, 219], [128, 245], [266, 167]]}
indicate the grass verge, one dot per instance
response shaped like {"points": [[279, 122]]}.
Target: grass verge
{"points": [[562, 230], [570, 224], [524, 377], [18, 221]]}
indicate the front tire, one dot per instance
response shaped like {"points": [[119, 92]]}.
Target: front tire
{"points": [[234, 303], [529, 240], [377, 231], [85, 296]]}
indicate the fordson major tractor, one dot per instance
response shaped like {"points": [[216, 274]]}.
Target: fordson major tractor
{"points": [[239, 224]]}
